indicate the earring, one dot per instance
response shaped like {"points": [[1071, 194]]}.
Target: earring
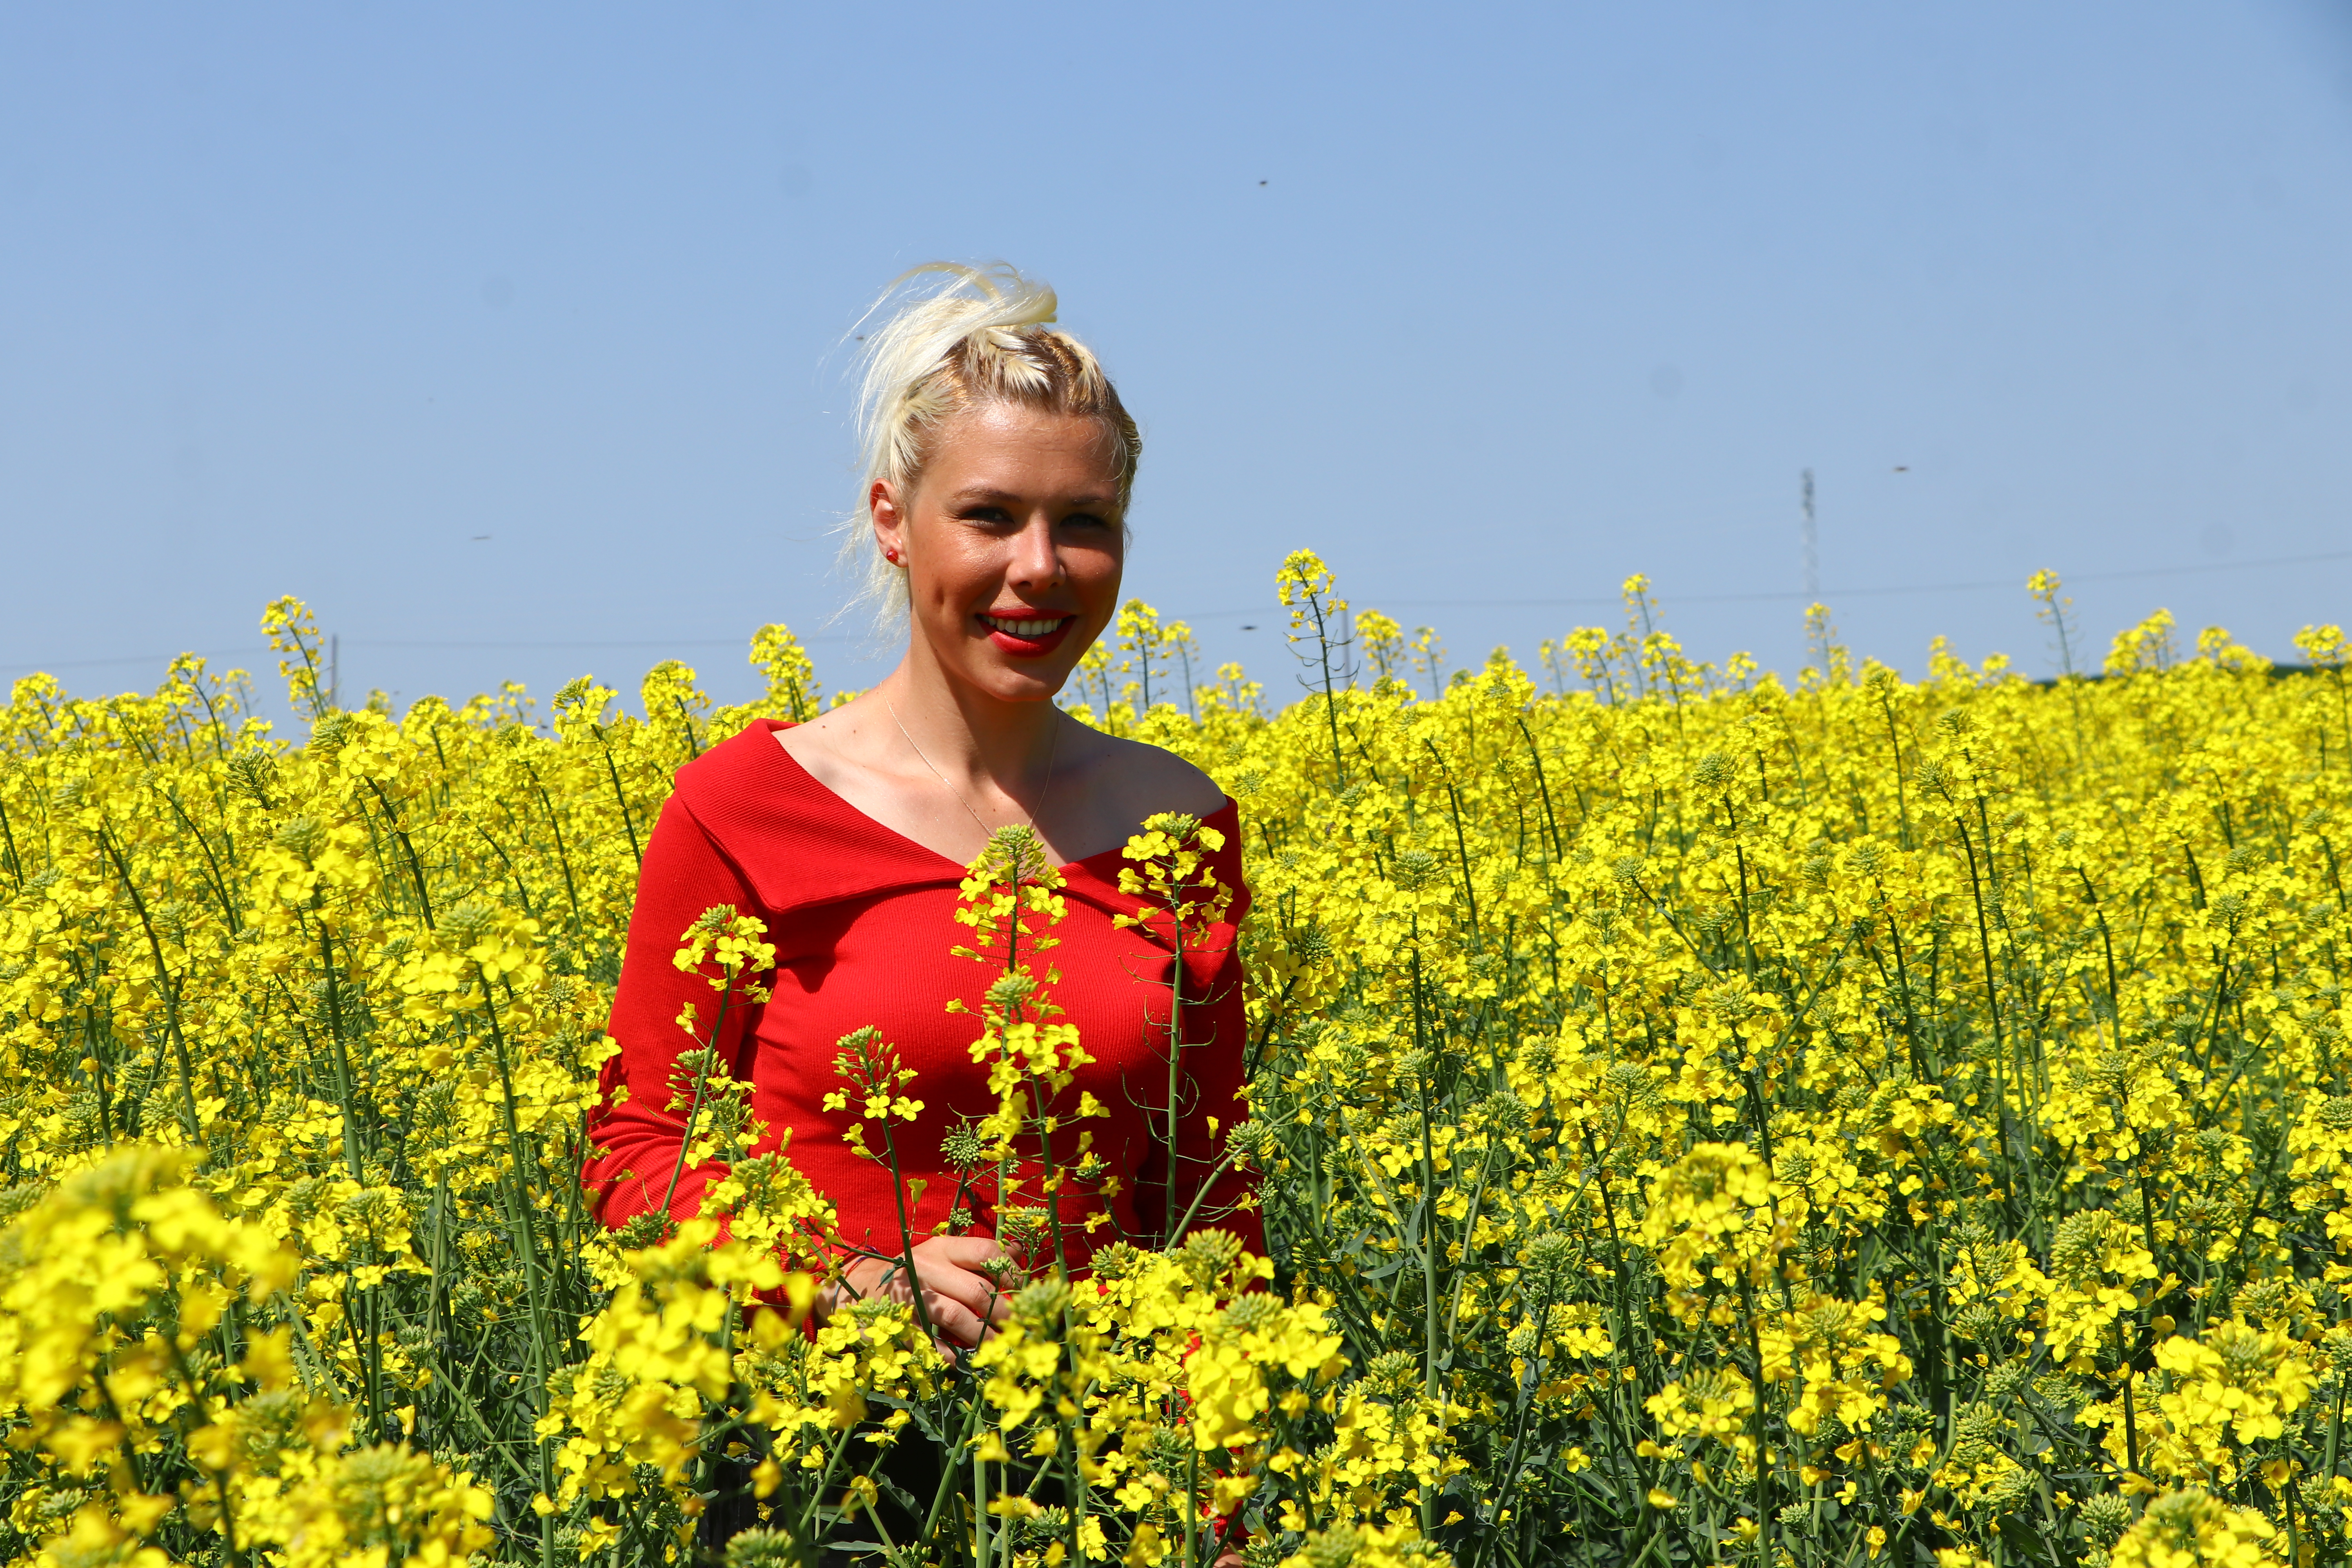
{"points": [[891, 556]]}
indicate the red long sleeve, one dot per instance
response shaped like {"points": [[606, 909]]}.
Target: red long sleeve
{"points": [[862, 920], [637, 1139]]}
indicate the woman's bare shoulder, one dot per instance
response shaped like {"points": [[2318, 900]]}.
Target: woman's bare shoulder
{"points": [[835, 743], [1139, 780]]}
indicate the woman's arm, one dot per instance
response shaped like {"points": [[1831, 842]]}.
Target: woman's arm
{"points": [[636, 1138]]}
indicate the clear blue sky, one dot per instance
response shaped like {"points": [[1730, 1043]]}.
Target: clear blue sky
{"points": [[1488, 304]]}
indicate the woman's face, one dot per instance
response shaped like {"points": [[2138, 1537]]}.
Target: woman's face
{"points": [[1013, 545]]}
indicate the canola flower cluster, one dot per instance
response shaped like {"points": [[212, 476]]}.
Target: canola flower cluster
{"points": [[1698, 1119]]}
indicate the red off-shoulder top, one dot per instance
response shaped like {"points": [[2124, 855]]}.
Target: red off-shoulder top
{"points": [[862, 920]]}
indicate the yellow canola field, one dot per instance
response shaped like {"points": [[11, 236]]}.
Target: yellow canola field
{"points": [[1701, 1121]]}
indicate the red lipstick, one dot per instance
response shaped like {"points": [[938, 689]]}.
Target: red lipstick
{"points": [[1037, 647]]}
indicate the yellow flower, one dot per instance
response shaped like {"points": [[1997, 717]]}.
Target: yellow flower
{"points": [[1887, 1087], [2193, 1529]]}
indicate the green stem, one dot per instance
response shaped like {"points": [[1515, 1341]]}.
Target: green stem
{"points": [[1542, 786], [627, 820], [1461, 844], [709, 1053], [346, 1086], [1175, 1068], [1429, 1238], [190, 1124]]}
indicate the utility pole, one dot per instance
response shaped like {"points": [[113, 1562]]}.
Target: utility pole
{"points": [[1812, 547]]}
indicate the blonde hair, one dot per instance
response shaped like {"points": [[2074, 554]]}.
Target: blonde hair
{"points": [[979, 337]]}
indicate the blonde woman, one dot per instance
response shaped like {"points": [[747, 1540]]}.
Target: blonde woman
{"points": [[999, 467]]}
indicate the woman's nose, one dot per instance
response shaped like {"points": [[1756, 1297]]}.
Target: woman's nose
{"points": [[1034, 558]]}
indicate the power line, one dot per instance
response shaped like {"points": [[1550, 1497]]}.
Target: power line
{"points": [[157, 659], [744, 642], [2014, 584], [1272, 612], [458, 644]]}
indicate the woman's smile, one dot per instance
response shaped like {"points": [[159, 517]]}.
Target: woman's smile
{"points": [[1025, 636]]}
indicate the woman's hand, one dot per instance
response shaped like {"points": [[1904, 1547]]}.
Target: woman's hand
{"points": [[960, 1295]]}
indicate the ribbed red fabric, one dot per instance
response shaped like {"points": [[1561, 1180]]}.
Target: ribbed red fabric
{"points": [[862, 920]]}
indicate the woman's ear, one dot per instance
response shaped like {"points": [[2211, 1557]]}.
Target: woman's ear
{"points": [[889, 520]]}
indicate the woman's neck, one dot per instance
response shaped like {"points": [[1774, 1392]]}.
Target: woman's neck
{"points": [[972, 736]]}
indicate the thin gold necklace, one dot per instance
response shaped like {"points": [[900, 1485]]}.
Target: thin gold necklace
{"points": [[1053, 746]]}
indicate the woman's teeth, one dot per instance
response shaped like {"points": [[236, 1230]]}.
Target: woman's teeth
{"points": [[1022, 628]]}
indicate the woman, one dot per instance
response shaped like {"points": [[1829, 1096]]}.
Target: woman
{"points": [[999, 464]]}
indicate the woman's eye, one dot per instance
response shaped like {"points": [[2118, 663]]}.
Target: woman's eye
{"points": [[1085, 520], [995, 514]]}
